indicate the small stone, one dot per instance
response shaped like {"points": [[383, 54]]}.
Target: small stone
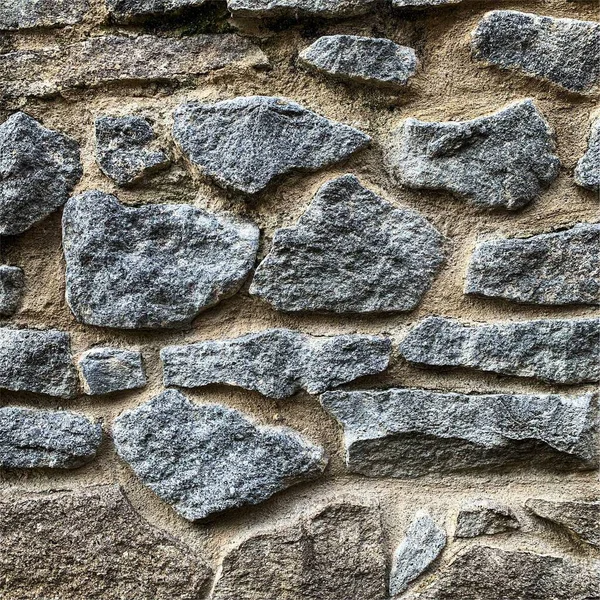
{"points": [[38, 169], [503, 160], [26, 14], [550, 268], [106, 370], [587, 172], [325, 9], [246, 142], [12, 284], [557, 350], [375, 61], [156, 266], [124, 11], [204, 460], [423, 3], [351, 251], [484, 517]]}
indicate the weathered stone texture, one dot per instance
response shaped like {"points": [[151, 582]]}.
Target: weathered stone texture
{"points": [[26, 14], [294, 8], [423, 3], [12, 284], [484, 517], [123, 11], [587, 172], [106, 370]]}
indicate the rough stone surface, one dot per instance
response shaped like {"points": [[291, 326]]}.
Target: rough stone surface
{"points": [[106, 370], [154, 266], [276, 362], [483, 516], [565, 52], [409, 433], [351, 251], [551, 268], [587, 172], [123, 11], [424, 3], [38, 170], [26, 14], [246, 142], [503, 160], [12, 284], [337, 553], [91, 544], [557, 350], [207, 459], [294, 8]]}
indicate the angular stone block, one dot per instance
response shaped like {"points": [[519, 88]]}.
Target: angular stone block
{"points": [[483, 516], [12, 284], [106, 370], [587, 172], [124, 11], [27, 14], [294, 8]]}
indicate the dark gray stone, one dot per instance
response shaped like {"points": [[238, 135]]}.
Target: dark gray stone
{"points": [[156, 266], [106, 370], [204, 460], [587, 172], [550, 268], [483, 516], [123, 11], [38, 169], [26, 14], [12, 284], [295, 8], [246, 142], [351, 251], [503, 160], [558, 350]]}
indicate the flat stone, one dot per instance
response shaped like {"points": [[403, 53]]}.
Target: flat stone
{"points": [[336, 553], [156, 266], [550, 268], [483, 516], [26, 14], [422, 3], [350, 252], [246, 142], [206, 459], [38, 169], [409, 433], [503, 160], [375, 61], [554, 350], [295, 8], [587, 172], [12, 285], [124, 11], [276, 362], [91, 544], [106, 370]]}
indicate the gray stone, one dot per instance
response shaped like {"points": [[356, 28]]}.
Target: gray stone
{"points": [[12, 284], [207, 459], [37, 361], [246, 142], [351, 251], [106, 370], [503, 160], [26, 14], [122, 148], [38, 169], [336, 553], [124, 11], [276, 362], [483, 516], [91, 544], [375, 61], [409, 433], [41, 438], [565, 52], [550, 268], [155, 266], [422, 3], [295, 8], [587, 172], [557, 350]]}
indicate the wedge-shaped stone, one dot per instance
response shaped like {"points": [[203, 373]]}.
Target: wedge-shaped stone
{"points": [[483, 516], [154, 266], [123, 11], [351, 251], [106, 370], [207, 459], [294, 8], [12, 284], [246, 142], [409, 433], [503, 160], [558, 350], [26, 14], [587, 172]]}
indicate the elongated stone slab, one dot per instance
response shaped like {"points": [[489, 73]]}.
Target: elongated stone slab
{"points": [[106, 370], [124, 11], [204, 460], [294, 8], [483, 516], [587, 172], [351, 251], [503, 160], [423, 3], [12, 284], [26, 14]]}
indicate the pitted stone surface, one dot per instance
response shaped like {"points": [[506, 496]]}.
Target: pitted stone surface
{"points": [[424, 3], [483, 516], [155, 266], [246, 142], [550, 268], [12, 283], [294, 8], [106, 370], [351, 251], [409, 433], [207, 459], [38, 169], [123, 11], [503, 160], [565, 52], [587, 172], [26, 14]]}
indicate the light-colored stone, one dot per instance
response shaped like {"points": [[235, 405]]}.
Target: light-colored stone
{"points": [[26, 14], [587, 172], [106, 370], [293, 8], [483, 516], [12, 284]]}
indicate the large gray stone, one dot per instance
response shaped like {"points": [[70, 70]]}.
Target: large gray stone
{"points": [[123, 11], [12, 284], [351, 251], [295, 8], [207, 459], [409, 433], [25, 14], [246, 142], [106, 370], [550, 268], [503, 160], [38, 169], [483, 516], [558, 350], [155, 266], [587, 172]]}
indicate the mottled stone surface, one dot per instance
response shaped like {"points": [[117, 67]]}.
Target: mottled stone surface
{"points": [[294, 8], [409, 433], [26, 14], [503, 160], [38, 169], [557, 350], [351, 251], [423, 3], [246, 142], [483, 516], [207, 459], [123, 11], [587, 172], [550, 268], [106, 370], [12, 284], [91, 544], [565, 52], [154, 266]]}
